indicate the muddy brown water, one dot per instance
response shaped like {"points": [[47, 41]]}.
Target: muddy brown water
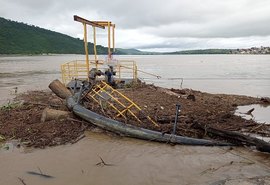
{"points": [[136, 161], [231, 74], [133, 162]]}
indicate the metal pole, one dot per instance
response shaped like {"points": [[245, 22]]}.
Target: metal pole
{"points": [[86, 49], [176, 118], [113, 38], [109, 40], [95, 46]]}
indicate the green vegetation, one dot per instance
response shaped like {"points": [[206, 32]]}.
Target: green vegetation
{"points": [[136, 52], [203, 51], [128, 51], [20, 38], [10, 105], [2, 138]]}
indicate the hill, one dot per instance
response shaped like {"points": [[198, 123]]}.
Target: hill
{"points": [[129, 51], [20, 38], [135, 52], [202, 51]]}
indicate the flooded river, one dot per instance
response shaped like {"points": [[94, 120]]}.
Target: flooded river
{"points": [[231, 74], [132, 162], [135, 161]]}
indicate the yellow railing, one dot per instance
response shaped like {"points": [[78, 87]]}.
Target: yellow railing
{"points": [[127, 69], [122, 105], [78, 69], [74, 69]]}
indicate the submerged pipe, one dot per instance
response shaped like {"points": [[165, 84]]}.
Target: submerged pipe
{"points": [[134, 131]]}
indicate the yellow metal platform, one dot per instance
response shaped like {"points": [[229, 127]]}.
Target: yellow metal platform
{"points": [[107, 96]]}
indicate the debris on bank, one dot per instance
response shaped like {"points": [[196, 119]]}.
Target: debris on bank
{"points": [[23, 122], [215, 111]]}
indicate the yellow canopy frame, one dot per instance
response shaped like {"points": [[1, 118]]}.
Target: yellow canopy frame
{"points": [[94, 24]]}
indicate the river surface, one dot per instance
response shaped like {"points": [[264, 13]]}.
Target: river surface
{"points": [[231, 74], [135, 161]]}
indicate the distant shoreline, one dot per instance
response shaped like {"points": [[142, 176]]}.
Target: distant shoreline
{"points": [[57, 54], [248, 51]]}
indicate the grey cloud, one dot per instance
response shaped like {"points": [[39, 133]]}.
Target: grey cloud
{"points": [[205, 43], [195, 23]]}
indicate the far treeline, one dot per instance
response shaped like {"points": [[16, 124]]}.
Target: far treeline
{"points": [[21, 38], [203, 51]]}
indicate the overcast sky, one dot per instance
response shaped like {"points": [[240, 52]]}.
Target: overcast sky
{"points": [[154, 25]]}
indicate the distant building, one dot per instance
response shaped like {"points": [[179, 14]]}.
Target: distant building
{"points": [[253, 50]]}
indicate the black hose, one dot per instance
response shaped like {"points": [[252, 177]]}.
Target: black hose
{"points": [[134, 131]]}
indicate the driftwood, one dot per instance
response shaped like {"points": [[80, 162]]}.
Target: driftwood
{"points": [[103, 163], [40, 174], [59, 89], [237, 137], [21, 180], [250, 112], [52, 114]]}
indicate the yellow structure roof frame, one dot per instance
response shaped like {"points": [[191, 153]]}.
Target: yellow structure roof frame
{"points": [[94, 24], [109, 25]]}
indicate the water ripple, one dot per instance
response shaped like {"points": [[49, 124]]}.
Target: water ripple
{"points": [[27, 73]]}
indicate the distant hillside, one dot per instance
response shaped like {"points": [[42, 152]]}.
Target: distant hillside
{"points": [[135, 52], [129, 51], [202, 51], [253, 51], [20, 38]]}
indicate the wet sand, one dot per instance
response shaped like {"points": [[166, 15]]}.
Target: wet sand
{"points": [[134, 162]]}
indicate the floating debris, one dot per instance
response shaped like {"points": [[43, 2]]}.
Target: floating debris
{"points": [[22, 181], [40, 173], [103, 163]]}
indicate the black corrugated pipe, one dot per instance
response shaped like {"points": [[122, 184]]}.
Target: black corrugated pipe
{"points": [[133, 131]]}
